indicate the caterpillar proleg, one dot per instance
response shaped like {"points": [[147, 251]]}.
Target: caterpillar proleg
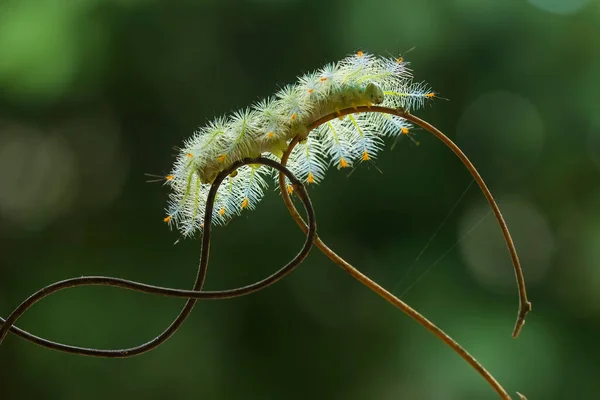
{"points": [[266, 128]]}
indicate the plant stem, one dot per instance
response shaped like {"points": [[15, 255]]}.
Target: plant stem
{"points": [[525, 305], [192, 295]]}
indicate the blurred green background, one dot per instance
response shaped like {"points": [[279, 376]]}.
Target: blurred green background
{"points": [[95, 93]]}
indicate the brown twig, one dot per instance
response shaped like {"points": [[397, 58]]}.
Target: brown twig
{"points": [[191, 295], [525, 305]]}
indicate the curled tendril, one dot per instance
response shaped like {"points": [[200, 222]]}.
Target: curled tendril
{"points": [[192, 295], [524, 304]]}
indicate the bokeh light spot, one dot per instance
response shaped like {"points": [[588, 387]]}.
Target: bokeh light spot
{"points": [[38, 170], [37, 45], [485, 250], [503, 134]]}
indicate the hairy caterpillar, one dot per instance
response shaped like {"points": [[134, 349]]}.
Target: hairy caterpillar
{"points": [[267, 127]]}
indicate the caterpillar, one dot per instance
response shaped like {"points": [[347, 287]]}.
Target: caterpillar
{"points": [[267, 127]]}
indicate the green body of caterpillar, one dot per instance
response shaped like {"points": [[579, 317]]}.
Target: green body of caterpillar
{"points": [[340, 98], [267, 127]]}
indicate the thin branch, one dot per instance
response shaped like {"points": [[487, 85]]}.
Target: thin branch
{"points": [[525, 305], [191, 295]]}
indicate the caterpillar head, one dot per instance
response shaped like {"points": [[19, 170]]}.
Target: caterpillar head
{"points": [[374, 93]]}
